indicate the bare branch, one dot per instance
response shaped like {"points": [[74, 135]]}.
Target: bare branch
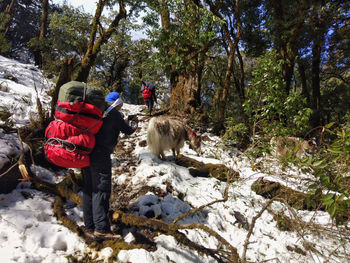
{"points": [[250, 231], [193, 211]]}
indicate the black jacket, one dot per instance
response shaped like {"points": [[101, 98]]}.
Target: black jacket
{"points": [[107, 137]]}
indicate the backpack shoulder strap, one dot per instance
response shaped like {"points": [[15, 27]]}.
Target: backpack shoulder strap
{"points": [[114, 104]]}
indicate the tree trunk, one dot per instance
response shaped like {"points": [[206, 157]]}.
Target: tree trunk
{"points": [[95, 46], [38, 56], [166, 25], [185, 86], [316, 94], [221, 96], [288, 71], [240, 89], [287, 37], [9, 11], [318, 42], [44, 15], [65, 76], [184, 96], [304, 90]]}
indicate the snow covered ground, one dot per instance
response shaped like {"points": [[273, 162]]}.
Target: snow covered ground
{"points": [[30, 233]]}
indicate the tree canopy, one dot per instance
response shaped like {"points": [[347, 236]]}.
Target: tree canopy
{"points": [[223, 63]]}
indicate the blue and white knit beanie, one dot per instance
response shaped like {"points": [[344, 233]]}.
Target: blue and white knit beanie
{"points": [[114, 98]]}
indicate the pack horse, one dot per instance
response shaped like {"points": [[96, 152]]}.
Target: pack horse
{"points": [[282, 145], [165, 133]]}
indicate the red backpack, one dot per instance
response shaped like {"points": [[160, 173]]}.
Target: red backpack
{"points": [[146, 92], [70, 138]]}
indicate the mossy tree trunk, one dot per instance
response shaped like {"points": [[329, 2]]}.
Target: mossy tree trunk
{"points": [[221, 93], [185, 78], [65, 76], [94, 45], [185, 95]]}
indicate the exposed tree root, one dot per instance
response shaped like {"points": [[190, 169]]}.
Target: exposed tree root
{"points": [[62, 189], [196, 168], [228, 255], [116, 245], [60, 213]]}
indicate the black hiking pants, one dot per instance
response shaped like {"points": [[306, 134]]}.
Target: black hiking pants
{"points": [[97, 191], [149, 103]]}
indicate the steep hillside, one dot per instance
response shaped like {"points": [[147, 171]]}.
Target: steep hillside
{"points": [[229, 215]]}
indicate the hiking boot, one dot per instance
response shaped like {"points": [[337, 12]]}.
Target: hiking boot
{"points": [[106, 236], [90, 235]]}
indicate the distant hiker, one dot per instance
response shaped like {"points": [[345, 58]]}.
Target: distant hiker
{"points": [[97, 177], [149, 95]]}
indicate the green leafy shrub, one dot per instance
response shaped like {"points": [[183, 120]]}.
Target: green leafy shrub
{"points": [[332, 171], [269, 106], [270, 110], [236, 131]]}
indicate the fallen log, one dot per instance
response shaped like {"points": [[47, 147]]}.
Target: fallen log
{"points": [[295, 199], [63, 189], [200, 169], [224, 253]]}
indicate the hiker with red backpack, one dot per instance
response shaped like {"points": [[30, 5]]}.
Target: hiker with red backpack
{"points": [[149, 95], [97, 177], [83, 135]]}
